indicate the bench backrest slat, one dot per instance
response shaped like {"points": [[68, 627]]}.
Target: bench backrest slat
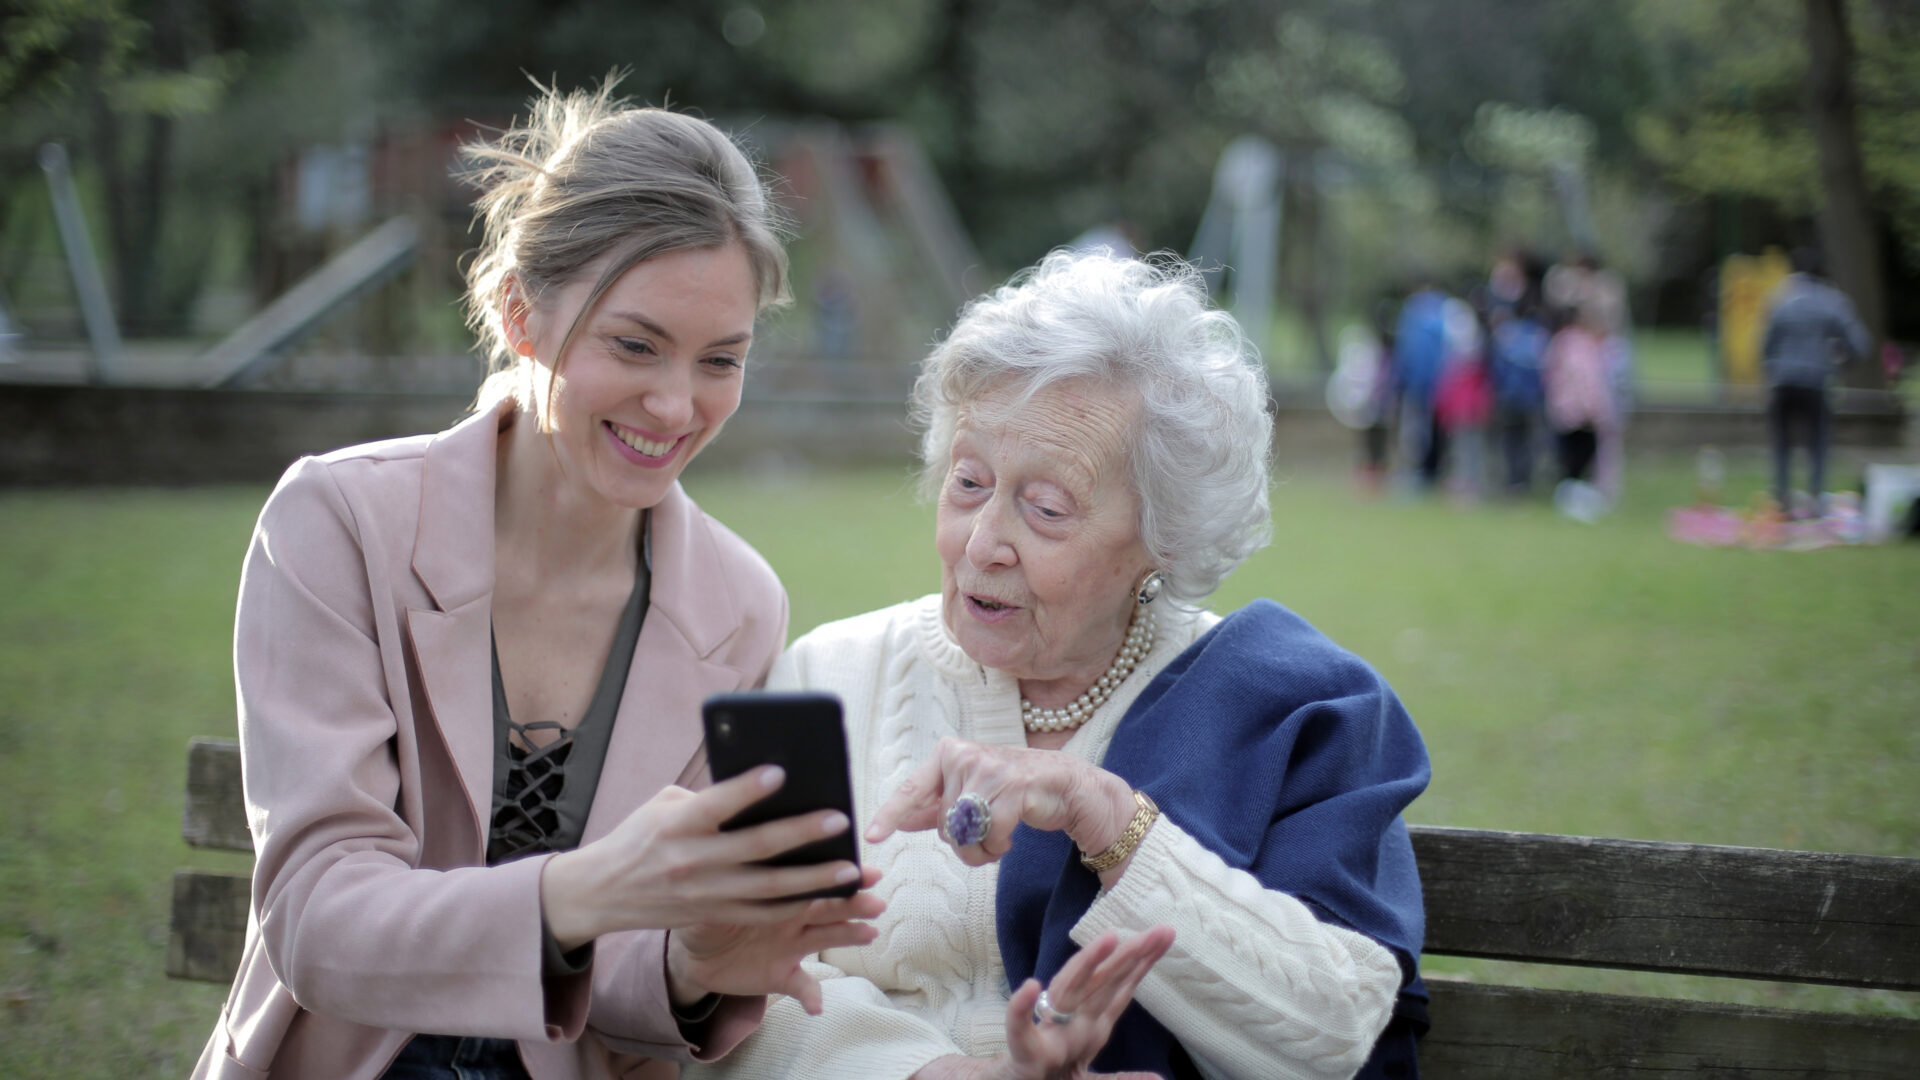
{"points": [[1519, 1033], [1850, 920], [208, 928], [216, 811]]}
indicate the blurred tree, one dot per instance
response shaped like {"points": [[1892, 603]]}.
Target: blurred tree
{"points": [[119, 77], [1571, 55], [842, 59], [1320, 91], [1415, 133], [1810, 105], [1032, 148], [1046, 120], [1847, 231]]}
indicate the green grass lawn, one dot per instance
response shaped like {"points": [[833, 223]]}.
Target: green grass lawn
{"points": [[1583, 679]]}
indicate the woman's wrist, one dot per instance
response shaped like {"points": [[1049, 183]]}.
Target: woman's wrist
{"points": [[566, 900], [683, 991], [1111, 862], [1108, 808]]}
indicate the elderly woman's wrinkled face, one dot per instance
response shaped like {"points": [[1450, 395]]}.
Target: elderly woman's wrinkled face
{"points": [[1038, 533]]}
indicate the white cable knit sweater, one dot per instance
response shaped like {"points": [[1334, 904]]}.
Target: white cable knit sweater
{"points": [[1254, 985]]}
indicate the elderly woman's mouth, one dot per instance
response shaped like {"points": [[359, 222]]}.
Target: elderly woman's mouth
{"points": [[986, 607]]}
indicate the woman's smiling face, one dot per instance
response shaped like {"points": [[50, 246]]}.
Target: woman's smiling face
{"points": [[651, 374], [1038, 534]]}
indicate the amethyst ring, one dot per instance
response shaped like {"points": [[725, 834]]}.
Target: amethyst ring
{"points": [[967, 821]]}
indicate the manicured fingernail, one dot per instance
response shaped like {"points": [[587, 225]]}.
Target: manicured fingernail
{"points": [[834, 824], [847, 874], [772, 776]]}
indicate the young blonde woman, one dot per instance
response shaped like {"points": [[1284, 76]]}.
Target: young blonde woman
{"points": [[470, 664]]}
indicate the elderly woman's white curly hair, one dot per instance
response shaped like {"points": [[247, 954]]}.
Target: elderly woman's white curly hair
{"points": [[1197, 455]]}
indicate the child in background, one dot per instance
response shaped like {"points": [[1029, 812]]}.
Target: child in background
{"points": [[1577, 376], [1463, 400], [1519, 342]]}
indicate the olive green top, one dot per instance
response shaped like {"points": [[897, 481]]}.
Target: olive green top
{"points": [[541, 794]]}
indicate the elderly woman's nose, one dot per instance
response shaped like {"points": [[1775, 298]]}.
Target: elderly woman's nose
{"points": [[987, 543]]}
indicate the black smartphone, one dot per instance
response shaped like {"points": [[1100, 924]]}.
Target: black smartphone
{"points": [[801, 732]]}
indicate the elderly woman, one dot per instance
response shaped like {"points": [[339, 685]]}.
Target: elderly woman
{"points": [[1106, 760]]}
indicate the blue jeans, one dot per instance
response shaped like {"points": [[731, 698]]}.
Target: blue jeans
{"points": [[455, 1057]]}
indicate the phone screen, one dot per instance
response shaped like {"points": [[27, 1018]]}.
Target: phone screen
{"points": [[802, 733]]}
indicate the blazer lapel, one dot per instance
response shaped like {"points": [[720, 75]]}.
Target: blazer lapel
{"points": [[657, 737], [454, 652], [658, 729], [453, 557]]}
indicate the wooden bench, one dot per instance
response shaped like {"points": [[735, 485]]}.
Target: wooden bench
{"points": [[207, 929], [1787, 916]]}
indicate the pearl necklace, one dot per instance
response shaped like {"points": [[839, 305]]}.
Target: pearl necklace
{"points": [[1076, 712]]}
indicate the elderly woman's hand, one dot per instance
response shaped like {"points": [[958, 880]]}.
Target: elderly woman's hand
{"points": [[1060, 1040], [1090, 992], [1047, 789]]}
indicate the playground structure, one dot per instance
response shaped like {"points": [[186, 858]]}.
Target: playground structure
{"points": [[881, 264], [880, 267]]}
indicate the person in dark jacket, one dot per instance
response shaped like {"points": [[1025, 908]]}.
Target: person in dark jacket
{"points": [[1811, 329]]}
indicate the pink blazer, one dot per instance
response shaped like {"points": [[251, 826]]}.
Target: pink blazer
{"points": [[362, 657]]}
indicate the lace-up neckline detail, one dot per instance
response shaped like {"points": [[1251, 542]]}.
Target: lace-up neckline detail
{"points": [[542, 793]]}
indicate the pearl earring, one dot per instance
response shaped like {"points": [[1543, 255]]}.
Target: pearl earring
{"points": [[1149, 588]]}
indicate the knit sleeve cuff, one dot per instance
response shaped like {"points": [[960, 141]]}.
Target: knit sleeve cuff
{"points": [[1135, 902], [1254, 981]]}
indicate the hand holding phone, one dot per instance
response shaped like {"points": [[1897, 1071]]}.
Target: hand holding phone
{"points": [[802, 733]]}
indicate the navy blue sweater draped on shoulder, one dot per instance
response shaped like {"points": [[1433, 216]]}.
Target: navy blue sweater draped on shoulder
{"points": [[1287, 756]]}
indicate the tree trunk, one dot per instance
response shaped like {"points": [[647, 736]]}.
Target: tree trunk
{"points": [[955, 61], [1847, 235], [150, 208]]}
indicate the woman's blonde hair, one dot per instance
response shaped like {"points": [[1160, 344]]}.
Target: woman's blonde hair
{"points": [[587, 174]]}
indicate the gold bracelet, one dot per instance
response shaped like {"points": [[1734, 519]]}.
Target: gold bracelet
{"points": [[1130, 837]]}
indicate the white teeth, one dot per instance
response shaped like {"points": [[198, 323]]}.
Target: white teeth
{"points": [[644, 446]]}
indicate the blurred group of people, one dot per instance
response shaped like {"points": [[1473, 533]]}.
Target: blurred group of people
{"points": [[1534, 359]]}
